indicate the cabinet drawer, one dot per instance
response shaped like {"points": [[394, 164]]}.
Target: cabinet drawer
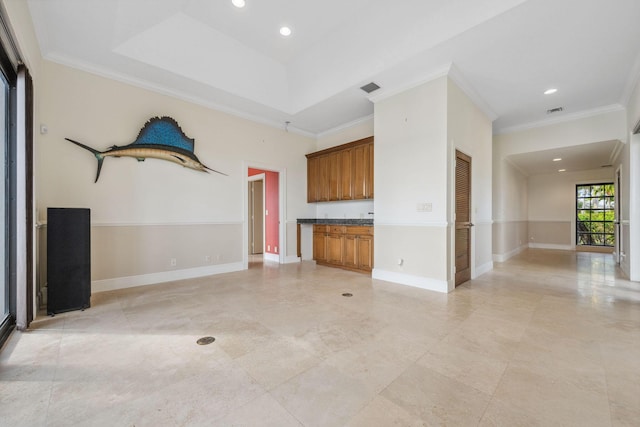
{"points": [[361, 230], [336, 229], [320, 228]]}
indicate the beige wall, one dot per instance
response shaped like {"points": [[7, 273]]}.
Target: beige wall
{"points": [[131, 198], [552, 205], [409, 254], [470, 131], [352, 132], [411, 167], [510, 208], [551, 234], [544, 198], [417, 133], [596, 128], [509, 238]]}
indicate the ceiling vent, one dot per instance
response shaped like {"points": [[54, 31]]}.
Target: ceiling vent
{"points": [[370, 87], [555, 110]]}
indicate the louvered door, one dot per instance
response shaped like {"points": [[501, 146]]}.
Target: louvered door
{"points": [[463, 218]]}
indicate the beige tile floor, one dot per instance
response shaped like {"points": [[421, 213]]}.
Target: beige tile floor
{"points": [[548, 338]]}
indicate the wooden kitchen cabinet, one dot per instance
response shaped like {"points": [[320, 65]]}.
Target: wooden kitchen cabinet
{"points": [[344, 246], [364, 250], [322, 190], [346, 176], [361, 171], [350, 254], [335, 244], [344, 172], [312, 179], [320, 243], [334, 174]]}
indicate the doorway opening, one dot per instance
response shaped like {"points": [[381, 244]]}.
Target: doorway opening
{"points": [[256, 218], [263, 215], [595, 216]]}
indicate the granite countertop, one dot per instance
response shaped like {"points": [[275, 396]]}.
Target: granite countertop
{"points": [[336, 221]]}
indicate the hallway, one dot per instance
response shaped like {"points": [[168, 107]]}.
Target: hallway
{"points": [[546, 338]]}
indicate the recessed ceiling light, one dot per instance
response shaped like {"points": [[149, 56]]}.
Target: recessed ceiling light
{"points": [[285, 31], [550, 91], [238, 3], [562, 170], [557, 159]]}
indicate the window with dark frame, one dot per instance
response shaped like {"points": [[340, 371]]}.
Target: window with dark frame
{"points": [[595, 214]]}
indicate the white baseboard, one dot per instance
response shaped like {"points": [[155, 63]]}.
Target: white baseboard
{"points": [[292, 259], [484, 268], [271, 257], [551, 246], [411, 280], [164, 276], [506, 256]]}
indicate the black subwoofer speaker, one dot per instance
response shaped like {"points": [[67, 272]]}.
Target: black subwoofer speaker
{"points": [[68, 259]]}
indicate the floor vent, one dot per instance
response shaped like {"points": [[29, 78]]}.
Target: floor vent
{"points": [[205, 340]]}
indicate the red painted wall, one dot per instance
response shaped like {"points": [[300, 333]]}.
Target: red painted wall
{"points": [[272, 205]]}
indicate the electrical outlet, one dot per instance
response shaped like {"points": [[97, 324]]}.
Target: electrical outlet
{"points": [[173, 262], [207, 258], [269, 247], [424, 207], [275, 249]]}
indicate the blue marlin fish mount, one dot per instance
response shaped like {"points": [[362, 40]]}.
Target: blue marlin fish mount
{"points": [[160, 138]]}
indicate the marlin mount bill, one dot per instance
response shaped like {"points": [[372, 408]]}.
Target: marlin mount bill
{"points": [[160, 138]]}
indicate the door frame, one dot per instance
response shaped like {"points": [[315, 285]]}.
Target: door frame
{"points": [[282, 205], [452, 219], [618, 213], [259, 177]]}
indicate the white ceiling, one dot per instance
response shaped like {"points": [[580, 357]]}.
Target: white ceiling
{"points": [[575, 158], [504, 53]]}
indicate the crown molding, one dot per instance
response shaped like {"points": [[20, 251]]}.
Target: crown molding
{"points": [[566, 118], [454, 73], [458, 78], [140, 83], [344, 126], [410, 85]]}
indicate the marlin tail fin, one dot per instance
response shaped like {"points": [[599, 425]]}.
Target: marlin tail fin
{"points": [[96, 153]]}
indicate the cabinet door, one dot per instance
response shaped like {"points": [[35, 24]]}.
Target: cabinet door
{"points": [[334, 176], [334, 248], [365, 252], [361, 171], [346, 174], [323, 179], [369, 180], [312, 179], [320, 246], [350, 251]]}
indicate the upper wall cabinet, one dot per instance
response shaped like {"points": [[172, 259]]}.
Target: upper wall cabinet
{"points": [[344, 172]]}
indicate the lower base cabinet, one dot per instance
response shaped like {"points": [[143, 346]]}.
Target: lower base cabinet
{"points": [[344, 246]]}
